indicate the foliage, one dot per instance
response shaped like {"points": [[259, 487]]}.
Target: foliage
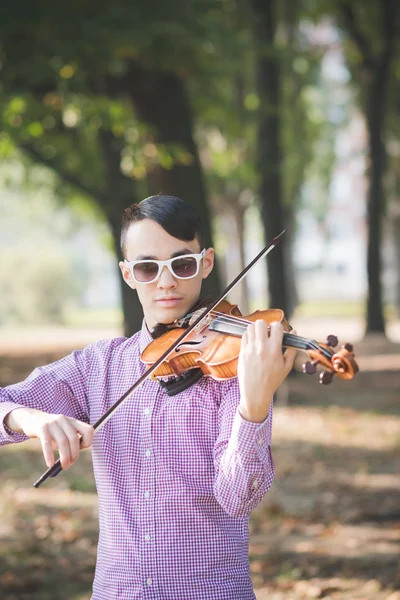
{"points": [[70, 82], [66, 100], [40, 274], [37, 287], [228, 110], [55, 107], [60, 90]]}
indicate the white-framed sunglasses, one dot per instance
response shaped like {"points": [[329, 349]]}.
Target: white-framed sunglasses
{"points": [[181, 267]]}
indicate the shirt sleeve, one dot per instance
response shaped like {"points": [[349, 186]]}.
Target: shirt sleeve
{"points": [[56, 388], [244, 468]]}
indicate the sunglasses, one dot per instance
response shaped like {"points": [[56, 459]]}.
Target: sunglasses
{"points": [[181, 267]]}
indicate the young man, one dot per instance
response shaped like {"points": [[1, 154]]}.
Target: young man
{"points": [[177, 476]]}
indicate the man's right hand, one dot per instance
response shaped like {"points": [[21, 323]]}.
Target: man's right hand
{"points": [[54, 432]]}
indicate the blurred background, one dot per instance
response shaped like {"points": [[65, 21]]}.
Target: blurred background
{"points": [[265, 115]]}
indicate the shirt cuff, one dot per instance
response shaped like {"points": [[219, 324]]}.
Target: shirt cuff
{"points": [[251, 439], [6, 433]]}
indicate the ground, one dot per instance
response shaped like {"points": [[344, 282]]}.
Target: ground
{"points": [[329, 527]]}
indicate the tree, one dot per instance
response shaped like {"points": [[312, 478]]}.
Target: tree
{"points": [[230, 115], [372, 29], [72, 97]]}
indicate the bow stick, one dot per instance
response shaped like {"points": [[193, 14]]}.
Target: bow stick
{"points": [[56, 468]]}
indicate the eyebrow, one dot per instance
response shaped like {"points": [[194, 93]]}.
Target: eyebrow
{"points": [[174, 255]]}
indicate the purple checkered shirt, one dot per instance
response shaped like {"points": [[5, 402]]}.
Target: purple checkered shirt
{"points": [[177, 477]]}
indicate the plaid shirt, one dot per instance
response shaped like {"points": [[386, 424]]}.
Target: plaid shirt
{"points": [[177, 477]]}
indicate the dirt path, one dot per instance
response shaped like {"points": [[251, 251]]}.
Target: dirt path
{"points": [[329, 528]]}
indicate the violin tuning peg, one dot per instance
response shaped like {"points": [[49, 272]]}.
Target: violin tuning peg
{"points": [[348, 347], [332, 341], [325, 378], [310, 367]]}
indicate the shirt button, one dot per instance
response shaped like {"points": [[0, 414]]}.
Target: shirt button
{"points": [[147, 537], [255, 484], [147, 494], [260, 442], [146, 411], [149, 581], [148, 453]]}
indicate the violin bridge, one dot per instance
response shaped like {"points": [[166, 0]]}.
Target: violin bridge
{"points": [[205, 323]]}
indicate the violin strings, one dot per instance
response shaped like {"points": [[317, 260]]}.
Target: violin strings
{"points": [[237, 320], [226, 318], [244, 323], [231, 318]]}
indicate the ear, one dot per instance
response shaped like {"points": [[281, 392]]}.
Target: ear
{"points": [[208, 262], [126, 274]]}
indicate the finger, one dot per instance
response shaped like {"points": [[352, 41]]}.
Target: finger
{"points": [[289, 354], [47, 450], [276, 334], [245, 347], [250, 334], [73, 439], [261, 331], [62, 441], [288, 358], [245, 337], [86, 431]]}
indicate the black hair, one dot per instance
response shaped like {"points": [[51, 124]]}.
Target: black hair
{"points": [[177, 217]]}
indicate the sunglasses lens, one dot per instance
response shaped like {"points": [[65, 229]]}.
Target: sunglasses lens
{"points": [[145, 271], [184, 267]]}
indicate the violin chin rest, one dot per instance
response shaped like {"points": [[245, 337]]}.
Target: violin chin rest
{"points": [[179, 384], [160, 328]]}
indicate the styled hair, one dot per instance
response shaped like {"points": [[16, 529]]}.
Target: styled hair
{"points": [[176, 217]]}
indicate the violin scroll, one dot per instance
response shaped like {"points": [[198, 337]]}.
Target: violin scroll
{"points": [[341, 363]]}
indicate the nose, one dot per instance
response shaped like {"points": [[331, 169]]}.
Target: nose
{"points": [[166, 279]]}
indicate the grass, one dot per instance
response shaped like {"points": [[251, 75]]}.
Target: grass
{"points": [[113, 317], [94, 317], [345, 309]]}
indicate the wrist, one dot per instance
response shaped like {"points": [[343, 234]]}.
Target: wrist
{"points": [[14, 418], [252, 416]]}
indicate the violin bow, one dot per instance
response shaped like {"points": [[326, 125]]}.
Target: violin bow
{"points": [[56, 468]]}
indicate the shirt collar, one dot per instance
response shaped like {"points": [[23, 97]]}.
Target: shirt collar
{"points": [[145, 337]]}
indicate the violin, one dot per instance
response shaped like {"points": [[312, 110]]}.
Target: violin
{"points": [[214, 345]]}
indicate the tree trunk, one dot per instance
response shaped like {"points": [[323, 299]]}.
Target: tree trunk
{"points": [[121, 193], [269, 145], [396, 244], [376, 96], [374, 72], [232, 214], [239, 214], [376, 109], [161, 101], [394, 216], [291, 288], [132, 309]]}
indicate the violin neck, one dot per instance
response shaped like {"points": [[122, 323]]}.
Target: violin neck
{"points": [[295, 341], [230, 327]]}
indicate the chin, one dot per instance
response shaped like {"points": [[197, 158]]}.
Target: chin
{"points": [[168, 316]]}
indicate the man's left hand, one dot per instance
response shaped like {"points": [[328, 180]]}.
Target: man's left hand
{"points": [[262, 368]]}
